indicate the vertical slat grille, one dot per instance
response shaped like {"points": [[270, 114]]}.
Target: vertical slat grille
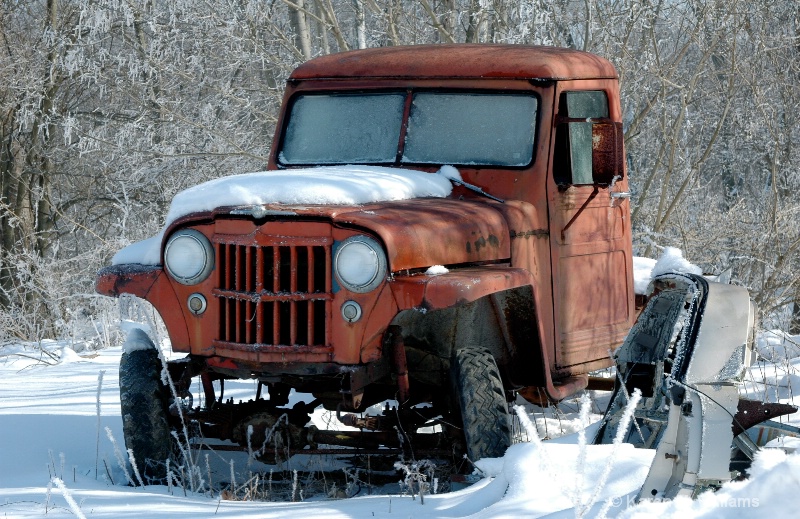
{"points": [[273, 295]]}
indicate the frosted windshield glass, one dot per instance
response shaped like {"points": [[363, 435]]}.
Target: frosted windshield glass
{"points": [[491, 129], [343, 129]]}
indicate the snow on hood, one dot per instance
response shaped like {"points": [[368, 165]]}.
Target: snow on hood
{"points": [[333, 185]]}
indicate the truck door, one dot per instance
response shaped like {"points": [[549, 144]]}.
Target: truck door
{"points": [[590, 229]]}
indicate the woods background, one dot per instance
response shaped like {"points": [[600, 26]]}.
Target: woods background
{"points": [[109, 107]]}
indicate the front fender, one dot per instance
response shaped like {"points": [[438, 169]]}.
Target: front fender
{"points": [[131, 279], [518, 343], [456, 287], [490, 307], [150, 283]]}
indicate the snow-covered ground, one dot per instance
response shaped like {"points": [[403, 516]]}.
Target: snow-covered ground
{"points": [[61, 436], [50, 429]]}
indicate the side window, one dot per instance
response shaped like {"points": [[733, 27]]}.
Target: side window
{"points": [[588, 144]]}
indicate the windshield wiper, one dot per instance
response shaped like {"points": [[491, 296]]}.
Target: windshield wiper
{"points": [[453, 175], [476, 189]]}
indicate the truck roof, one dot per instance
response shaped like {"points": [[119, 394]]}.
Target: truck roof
{"points": [[458, 61]]}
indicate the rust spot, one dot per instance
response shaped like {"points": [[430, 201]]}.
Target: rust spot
{"points": [[493, 241], [469, 247], [607, 154], [480, 242], [528, 234]]}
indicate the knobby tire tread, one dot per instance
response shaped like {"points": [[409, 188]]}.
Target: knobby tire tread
{"points": [[482, 402], [144, 415]]}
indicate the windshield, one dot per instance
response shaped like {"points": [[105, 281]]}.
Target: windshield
{"points": [[494, 129], [342, 129]]}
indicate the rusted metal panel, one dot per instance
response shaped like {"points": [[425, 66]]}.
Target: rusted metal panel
{"points": [[454, 61], [529, 229], [272, 288], [233, 365], [434, 231], [134, 279], [281, 314], [751, 412], [608, 156], [457, 286], [376, 318], [149, 283], [417, 233]]}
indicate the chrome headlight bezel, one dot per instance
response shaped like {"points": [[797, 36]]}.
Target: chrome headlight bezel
{"points": [[370, 254], [189, 242]]}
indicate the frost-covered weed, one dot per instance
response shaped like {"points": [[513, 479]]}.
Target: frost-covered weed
{"points": [[622, 429], [97, 444], [135, 467], [48, 495], [533, 434], [68, 498], [580, 465], [294, 486], [416, 477], [233, 478], [120, 459]]}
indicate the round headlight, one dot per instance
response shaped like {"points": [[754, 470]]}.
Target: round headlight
{"points": [[189, 257], [360, 264]]}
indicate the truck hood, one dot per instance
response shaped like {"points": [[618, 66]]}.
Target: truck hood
{"points": [[405, 208], [423, 232], [416, 233]]}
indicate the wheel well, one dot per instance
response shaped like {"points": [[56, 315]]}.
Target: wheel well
{"points": [[504, 323]]}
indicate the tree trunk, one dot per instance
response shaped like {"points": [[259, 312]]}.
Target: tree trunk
{"points": [[361, 24], [299, 23], [794, 323]]}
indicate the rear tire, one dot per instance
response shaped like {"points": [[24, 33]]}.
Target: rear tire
{"points": [[143, 401], [482, 403]]}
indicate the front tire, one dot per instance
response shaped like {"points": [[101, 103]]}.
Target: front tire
{"points": [[143, 401], [482, 403]]}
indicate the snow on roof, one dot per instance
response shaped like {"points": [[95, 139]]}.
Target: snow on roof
{"points": [[333, 185]]}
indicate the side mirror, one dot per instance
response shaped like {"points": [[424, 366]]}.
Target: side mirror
{"points": [[589, 152], [608, 156]]}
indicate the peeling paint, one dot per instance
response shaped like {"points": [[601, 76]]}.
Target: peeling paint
{"points": [[539, 233]]}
